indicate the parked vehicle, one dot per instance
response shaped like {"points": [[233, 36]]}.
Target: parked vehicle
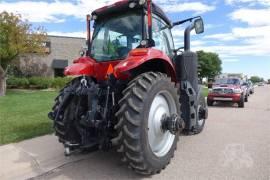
{"points": [[130, 86], [260, 84], [250, 87], [230, 90]]}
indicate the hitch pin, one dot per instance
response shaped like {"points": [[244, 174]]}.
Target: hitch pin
{"points": [[84, 82]]}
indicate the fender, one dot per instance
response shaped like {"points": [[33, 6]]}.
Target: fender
{"points": [[140, 56], [89, 67], [81, 66]]}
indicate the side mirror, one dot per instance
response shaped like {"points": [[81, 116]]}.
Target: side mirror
{"points": [[147, 43], [199, 26]]}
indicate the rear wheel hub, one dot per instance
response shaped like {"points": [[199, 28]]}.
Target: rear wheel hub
{"points": [[173, 123], [162, 127]]}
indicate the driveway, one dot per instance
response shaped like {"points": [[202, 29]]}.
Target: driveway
{"points": [[235, 144]]}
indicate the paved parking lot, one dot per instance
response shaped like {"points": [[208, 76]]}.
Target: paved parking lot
{"points": [[234, 145]]}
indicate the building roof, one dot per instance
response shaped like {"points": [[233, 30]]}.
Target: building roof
{"points": [[57, 36]]}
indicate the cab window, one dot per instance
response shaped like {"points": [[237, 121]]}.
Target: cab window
{"points": [[162, 36]]}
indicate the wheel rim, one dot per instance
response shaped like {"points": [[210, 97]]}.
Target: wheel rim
{"points": [[159, 140]]}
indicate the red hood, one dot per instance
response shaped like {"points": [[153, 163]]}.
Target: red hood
{"points": [[226, 85]]}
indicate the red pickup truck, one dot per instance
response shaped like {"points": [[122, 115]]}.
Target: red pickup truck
{"points": [[228, 89]]}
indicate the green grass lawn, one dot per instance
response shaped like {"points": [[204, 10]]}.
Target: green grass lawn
{"points": [[205, 91], [23, 115]]}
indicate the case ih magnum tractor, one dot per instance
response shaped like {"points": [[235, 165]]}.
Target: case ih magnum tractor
{"points": [[133, 90]]}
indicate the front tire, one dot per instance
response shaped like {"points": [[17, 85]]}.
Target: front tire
{"points": [[246, 98], [241, 103], [142, 143], [210, 102]]}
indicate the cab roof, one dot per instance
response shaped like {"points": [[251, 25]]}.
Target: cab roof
{"points": [[121, 7]]}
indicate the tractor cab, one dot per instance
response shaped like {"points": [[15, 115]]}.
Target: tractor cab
{"points": [[128, 25]]}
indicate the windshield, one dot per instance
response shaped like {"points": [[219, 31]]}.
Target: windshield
{"points": [[228, 81], [113, 38]]}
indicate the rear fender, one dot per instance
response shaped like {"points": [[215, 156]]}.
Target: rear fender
{"points": [[153, 57], [81, 66], [79, 69]]}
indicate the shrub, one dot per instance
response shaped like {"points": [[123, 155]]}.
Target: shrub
{"points": [[14, 71], [60, 82], [40, 82], [14, 82]]}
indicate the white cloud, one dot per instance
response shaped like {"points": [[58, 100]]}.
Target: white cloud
{"points": [[234, 50], [230, 60], [250, 2], [53, 12], [251, 41], [242, 34], [197, 43], [197, 7], [221, 37], [179, 32], [212, 26], [58, 11], [254, 17], [39, 11], [252, 32]]}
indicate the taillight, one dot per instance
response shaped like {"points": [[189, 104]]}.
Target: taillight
{"points": [[138, 52]]}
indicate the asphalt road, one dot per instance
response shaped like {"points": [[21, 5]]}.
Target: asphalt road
{"points": [[235, 144]]}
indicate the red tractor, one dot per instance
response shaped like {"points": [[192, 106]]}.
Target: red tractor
{"points": [[133, 91]]}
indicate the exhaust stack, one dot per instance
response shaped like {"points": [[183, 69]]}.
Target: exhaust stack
{"points": [[88, 24], [149, 16], [187, 36]]}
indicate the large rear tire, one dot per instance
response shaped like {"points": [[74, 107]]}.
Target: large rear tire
{"points": [[144, 146], [66, 116]]}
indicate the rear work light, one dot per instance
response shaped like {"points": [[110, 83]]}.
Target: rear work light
{"points": [[132, 5], [141, 2]]}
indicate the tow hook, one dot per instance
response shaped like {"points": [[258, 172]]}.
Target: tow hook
{"points": [[70, 148], [172, 123]]}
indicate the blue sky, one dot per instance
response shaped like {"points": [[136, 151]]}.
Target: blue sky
{"points": [[238, 30]]}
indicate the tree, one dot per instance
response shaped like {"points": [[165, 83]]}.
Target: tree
{"points": [[17, 37], [256, 79], [209, 64]]}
